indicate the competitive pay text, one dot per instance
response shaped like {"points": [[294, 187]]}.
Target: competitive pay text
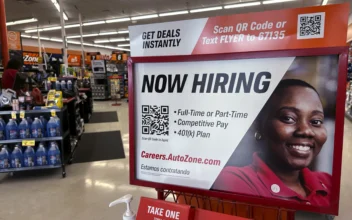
{"points": [[208, 83]]}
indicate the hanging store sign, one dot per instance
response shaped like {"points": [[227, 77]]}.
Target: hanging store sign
{"points": [[74, 60], [311, 27], [240, 125], [14, 40]]}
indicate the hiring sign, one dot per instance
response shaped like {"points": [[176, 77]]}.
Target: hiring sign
{"points": [[262, 126]]}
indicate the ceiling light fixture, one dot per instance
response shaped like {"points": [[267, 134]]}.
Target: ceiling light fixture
{"points": [[123, 45], [325, 2], [52, 28], [144, 17], [24, 21], [73, 42], [56, 39], [101, 41], [58, 8], [206, 9], [33, 30], [93, 23], [117, 39], [276, 1], [119, 48], [117, 20], [35, 37], [72, 25], [73, 36], [26, 36], [122, 32], [44, 38], [108, 33], [90, 35], [242, 5], [173, 13], [87, 44]]}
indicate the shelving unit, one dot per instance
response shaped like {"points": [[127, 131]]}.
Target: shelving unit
{"points": [[99, 80], [61, 140]]}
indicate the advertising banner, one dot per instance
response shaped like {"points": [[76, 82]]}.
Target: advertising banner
{"points": [[239, 126], [256, 127], [311, 27], [14, 40]]}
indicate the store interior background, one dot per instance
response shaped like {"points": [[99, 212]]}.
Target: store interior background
{"points": [[89, 187]]}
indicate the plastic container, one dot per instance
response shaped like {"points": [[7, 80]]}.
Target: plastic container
{"points": [[58, 130], [29, 157], [37, 128], [54, 154], [63, 85], [4, 159], [52, 127], [57, 86], [44, 123], [23, 129], [16, 158], [69, 85], [41, 155], [2, 130], [11, 130]]}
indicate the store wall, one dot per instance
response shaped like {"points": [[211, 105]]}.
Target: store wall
{"points": [[30, 43]]}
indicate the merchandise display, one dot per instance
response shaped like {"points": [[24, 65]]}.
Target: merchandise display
{"points": [[99, 80], [34, 140]]}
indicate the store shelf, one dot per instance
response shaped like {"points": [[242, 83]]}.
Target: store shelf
{"points": [[33, 111], [29, 168], [44, 139]]}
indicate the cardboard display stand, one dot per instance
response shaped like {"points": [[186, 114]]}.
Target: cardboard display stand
{"points": [[246, 108]]}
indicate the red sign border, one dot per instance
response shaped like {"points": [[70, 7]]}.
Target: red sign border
{"points": [[339, 125]]}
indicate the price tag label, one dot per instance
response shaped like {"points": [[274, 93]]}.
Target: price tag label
{"points": [[28, 143], [53, 113], [13, 115], [22, 114]]}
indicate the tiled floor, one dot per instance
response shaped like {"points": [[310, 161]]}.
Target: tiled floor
{"points": [[89, 187]]}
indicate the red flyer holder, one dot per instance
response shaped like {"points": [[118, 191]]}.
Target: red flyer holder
{"points": [[152, 209], [201, 214]]}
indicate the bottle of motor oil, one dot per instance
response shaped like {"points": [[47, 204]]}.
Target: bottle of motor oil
{"points": [[11, 130], [4, 159], [54, 154], [41, 155], [16, 158], [29, 157]]}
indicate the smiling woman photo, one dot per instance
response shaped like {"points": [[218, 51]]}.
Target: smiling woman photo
{"points": [[291, 125]]}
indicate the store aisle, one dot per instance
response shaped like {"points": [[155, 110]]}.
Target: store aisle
{"points": [[89, 187]]}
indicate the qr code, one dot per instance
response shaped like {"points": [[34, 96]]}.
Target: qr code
{"points": [[155, 120], [311, 26]]}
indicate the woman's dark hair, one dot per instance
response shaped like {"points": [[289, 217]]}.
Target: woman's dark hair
{"points": [[14, 64], [293, 82]]}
